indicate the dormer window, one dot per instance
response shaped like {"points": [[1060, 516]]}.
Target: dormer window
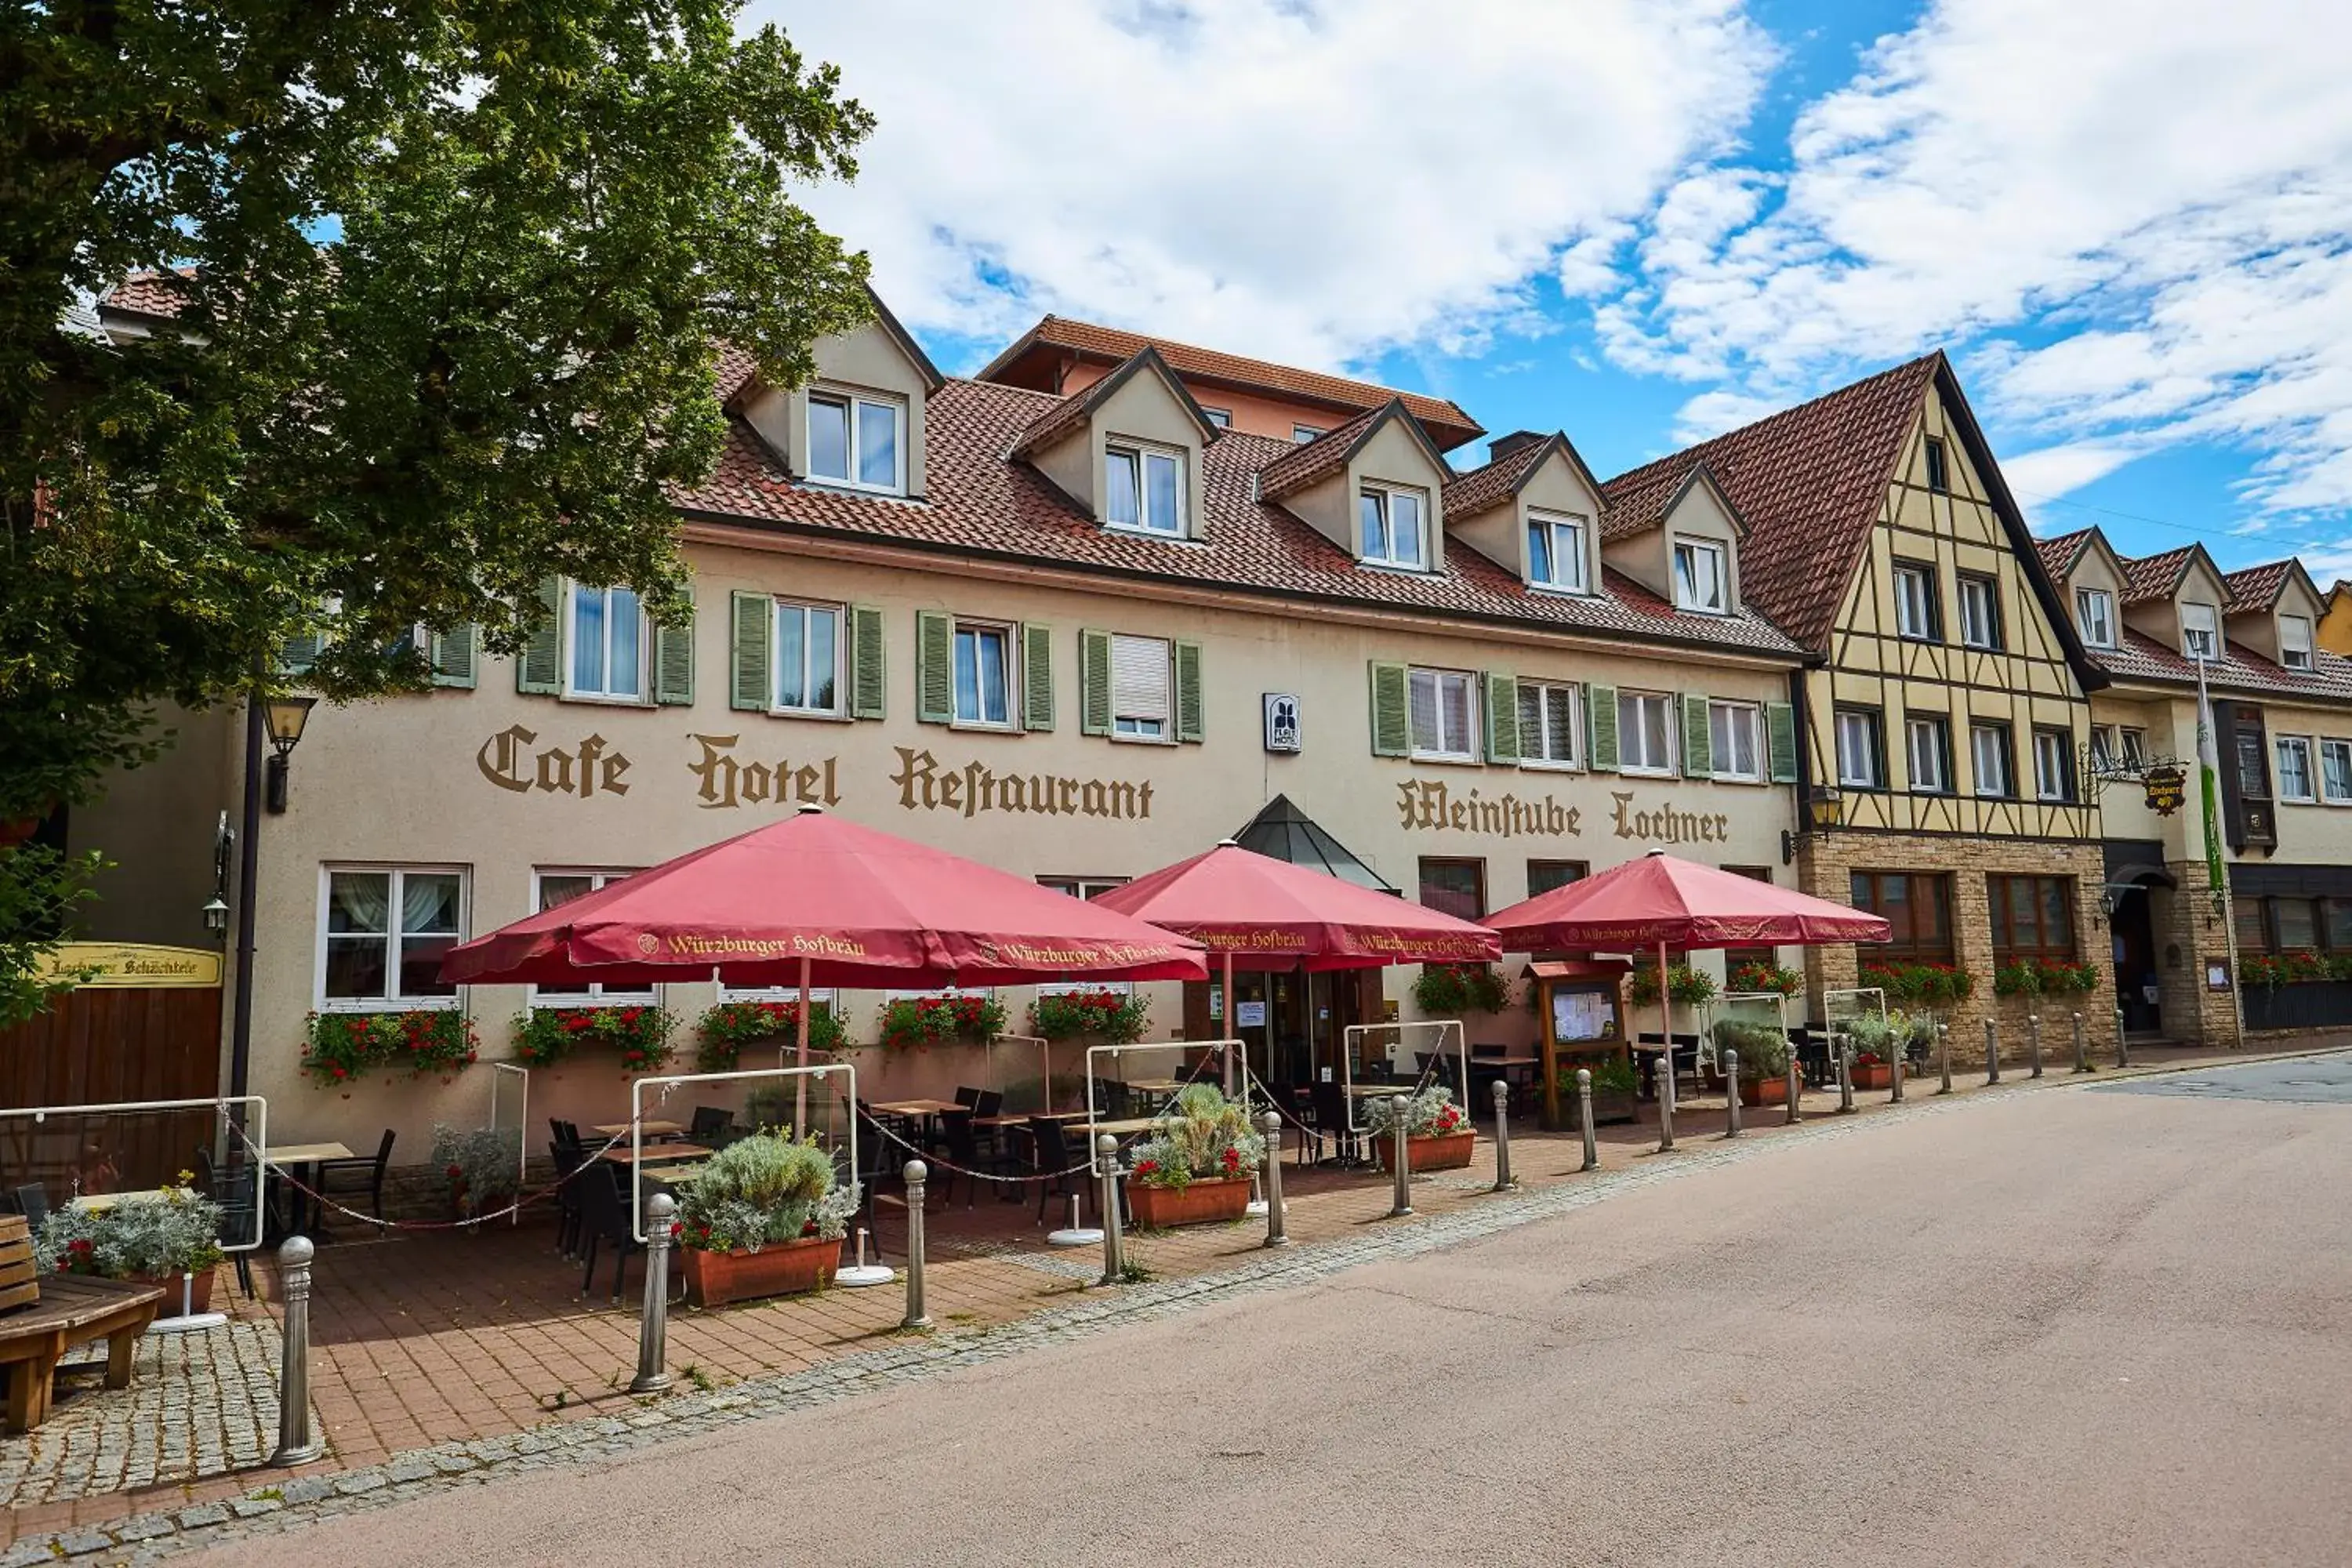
{"points": [[1302, 434], [2200, 632], [1143, 489], [1556, 552], [1391, 527], [2095, 616], [857, 441], [1700, 582], [2295, 642]]}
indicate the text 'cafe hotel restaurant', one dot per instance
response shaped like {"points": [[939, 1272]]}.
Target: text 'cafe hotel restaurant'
{"points": [[1083, 615]]}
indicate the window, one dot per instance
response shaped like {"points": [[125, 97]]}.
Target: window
{"points": [[1917, 909], [983, 691], [2032, 916], [1456, 888], [383, 935], [2095, 616], [2294, 768], [2295, 642], [2253, 779], [1915, 602], [1556, 552], [2199, 638], [855, 441], [608, 644], [1143, 489], [1988, 750], [1698, 576], [1939, 479], [2335, 916], [1222, 418], [1543, 875], [560, 887], [1302, 434], [1857, 749], [1644, 733], [1139, 688], [2294, 923], [808, 659], [1082, 886], [2135, 752], [1442, 703], [1979, 612], [1736, 733], [1547, 711], [2253, 931], [1391, 526], [2054, 765], [2104, 750], [2336, 771], [1927, 742]]}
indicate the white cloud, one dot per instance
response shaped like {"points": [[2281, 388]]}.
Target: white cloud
{"points": [[2047, 474], [1310, 182], [2136, 211]]}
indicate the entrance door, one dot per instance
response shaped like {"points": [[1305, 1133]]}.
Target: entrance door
{"points": [[2133, 931]]}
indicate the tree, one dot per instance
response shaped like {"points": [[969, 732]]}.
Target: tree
{"points": [[442, 290]]}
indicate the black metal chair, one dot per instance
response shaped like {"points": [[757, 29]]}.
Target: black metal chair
{"points": [[373, 1169], [1051, 1157], [1331, 1122], [989, 1103], [968, 1097], [966, 1158], [568, 1157], [710, 1123], [33, 1203], [604, 1218]]}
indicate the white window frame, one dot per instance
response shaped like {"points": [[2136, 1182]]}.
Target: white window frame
{"points": [[1385, 495], [811, 608], [2210, 632], [1138, 727], [1557, 526], [573, 690], [1753, 715], [2302, 746], [396, 877], [1222, 418], [1938, 752], [1632, 702], [851, 398], [595, 994], [1696, 548], [1865, 726], [2343, 751], [1575, 708], [1439, 682], [2095, 616], [1083, 888], [2288, 651], [2132, 742], [1914, 613], [2106, 749], [1009, 664], [824, 994], [1141, 454], [2047, 787], [1982, 590], [2004, 753]]}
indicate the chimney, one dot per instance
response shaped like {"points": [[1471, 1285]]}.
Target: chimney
{"points": [[1503, 446]]}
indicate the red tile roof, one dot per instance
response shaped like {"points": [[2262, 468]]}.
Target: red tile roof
{"points": [[2059, 555], [2239, 668], [156, 294], [2258, 587], [977, 503], [1308, 461], [1445, 419], [1809, 480], [1471, 493], [2157, 576], [1073, 411]]}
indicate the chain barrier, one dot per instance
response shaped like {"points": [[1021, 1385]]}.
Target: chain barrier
{"points": [[521, 1202], [938, 1164]]}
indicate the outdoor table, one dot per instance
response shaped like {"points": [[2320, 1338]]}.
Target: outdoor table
{"points": [[927, 1111], [649, 1129], [1125, 1126], [658, 1154], [305, 1160]]}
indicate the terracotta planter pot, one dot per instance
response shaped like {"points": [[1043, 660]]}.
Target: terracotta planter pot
{"points": [[1874, 1075], [1449, 1153], [1773, 1090], [1203, 1202], [779, 1268], [200, 1298]]}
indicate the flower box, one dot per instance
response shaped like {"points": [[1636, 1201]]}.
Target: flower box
{"points": [[1874, 1075], [1443, 1152], [1202, 1201], [779, 1268], [1773, 1090]]}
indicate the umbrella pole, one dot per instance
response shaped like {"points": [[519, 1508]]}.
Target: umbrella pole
{"points": [[1232, 1031], [1667, 1029], [799, 1084]]}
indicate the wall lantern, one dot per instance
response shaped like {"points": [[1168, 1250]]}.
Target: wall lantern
{"points": [[285, 717], [1824, 814]]}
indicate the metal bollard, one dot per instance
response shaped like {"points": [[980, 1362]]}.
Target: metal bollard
{"points": [[1584, 1115], [1898, 1067], [2082, 1056], [296, 1445], [1944, 1055], [1273, 1236], [1796, 1091], [1992, 1051], [2034, 1045], [1401, 1159], [1666, 1103], [916, 1318], [1503, 1183], [1846, 1079], [2123, 1051], [1731, 1094], [1114, 1237], [653, 1322]]}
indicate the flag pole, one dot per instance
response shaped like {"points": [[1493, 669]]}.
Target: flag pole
{"points": [[2217, 874]]}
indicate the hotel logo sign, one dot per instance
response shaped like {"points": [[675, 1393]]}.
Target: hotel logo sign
{"points": [[1282, 722]]}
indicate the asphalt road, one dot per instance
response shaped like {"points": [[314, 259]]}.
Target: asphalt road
{"points": [[2056, 1328]]}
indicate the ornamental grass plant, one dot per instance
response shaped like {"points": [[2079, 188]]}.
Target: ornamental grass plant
{"points": [[1203, 1137], [769, 1188]]}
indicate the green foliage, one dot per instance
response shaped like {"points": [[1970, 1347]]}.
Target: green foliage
{"points": [[919, 1023], [1763, 1048], [342, 1047], [2017, 980], [1878, 1037], [1762, 977], [1204, 1135], [1431, 1113], [1108, 1016], [728, 1027], [1919, 984], [482, 1165], [139, 1237], [1610, 1075], [545, 1036], [1688, 987], [39, 889], [1450, 990], [770, 1186]]}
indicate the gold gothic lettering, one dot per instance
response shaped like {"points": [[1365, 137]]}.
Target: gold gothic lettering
{"points": [[584, 770], [1666, 825], [924, 785], [727, 783], [1435, 806]]}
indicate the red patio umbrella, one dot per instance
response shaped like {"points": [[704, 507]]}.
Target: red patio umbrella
{"points": [[813, 900]]}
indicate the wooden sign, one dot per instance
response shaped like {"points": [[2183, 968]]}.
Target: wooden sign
{"points": [[134, 964], [2167, 788]]}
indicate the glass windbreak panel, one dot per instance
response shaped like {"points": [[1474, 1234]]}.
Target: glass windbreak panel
{"points": [[1122, 492], [828, 438], [878, 445]]}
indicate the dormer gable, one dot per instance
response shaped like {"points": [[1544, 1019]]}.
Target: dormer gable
{"points": [[1534, 509], [2095, 583], [1375, 486], [859, 424], [2177, 599], [1127, 450], [2275, 609], [1690, 555]]}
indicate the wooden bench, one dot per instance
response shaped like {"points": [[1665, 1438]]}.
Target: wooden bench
{"points": [[46, 1316]]}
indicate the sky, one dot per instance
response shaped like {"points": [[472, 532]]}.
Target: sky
{"points": [[2128, 222]]}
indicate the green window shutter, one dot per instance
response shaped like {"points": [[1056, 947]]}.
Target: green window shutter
{"points": [[1190, 714], [1780, 737], [934, 667], [454, 655], [1391, 717], [1502, 716], [673, 659], [1094, 683], [1699, 740], [867, 663], [538, 668], [1036, 677], [751, 642], [1602, 727], [297, 654]]}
